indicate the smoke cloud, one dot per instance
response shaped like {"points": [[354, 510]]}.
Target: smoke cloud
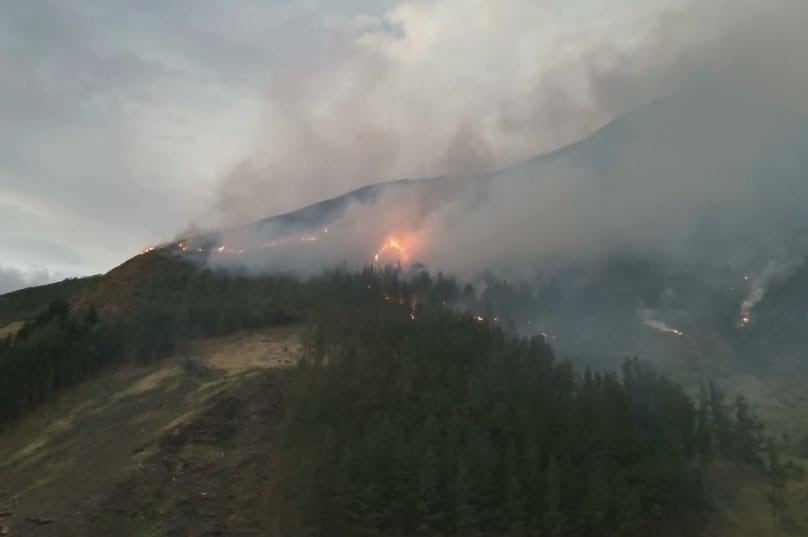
{"points": [[773, 271], [414, 91], [690, 118], [677, 134], [649, 321]]}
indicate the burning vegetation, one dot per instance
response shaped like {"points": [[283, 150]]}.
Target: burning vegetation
{"points": [[393, 249], [657, 325]]}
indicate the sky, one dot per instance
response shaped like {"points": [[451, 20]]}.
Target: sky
{"points": [[123, 123]]}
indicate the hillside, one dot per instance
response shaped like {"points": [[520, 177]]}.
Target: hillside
{"points": [[425, 404], [748, 149], [26, 303], [186, 446], [177, 448]]}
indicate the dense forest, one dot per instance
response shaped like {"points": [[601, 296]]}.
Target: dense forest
{"points": [[416, 409], [175, 302], [423, 421], [61, 346]]}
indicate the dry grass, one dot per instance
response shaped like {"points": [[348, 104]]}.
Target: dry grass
{"points": [[275, 347], [11, 329], [62, 459]]}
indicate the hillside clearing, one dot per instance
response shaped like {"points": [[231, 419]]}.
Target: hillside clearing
{"points": [[11, 329]]}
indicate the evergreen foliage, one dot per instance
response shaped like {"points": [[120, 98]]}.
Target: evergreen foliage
{"points": [[408, 417], [443, 425], [60, 347]]}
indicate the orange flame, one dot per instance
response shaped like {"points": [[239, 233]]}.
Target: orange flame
{"points": [[394, 247]]}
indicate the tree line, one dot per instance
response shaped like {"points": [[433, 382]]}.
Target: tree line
{"points": [[410, 420], [61, 346], [413, 412]]}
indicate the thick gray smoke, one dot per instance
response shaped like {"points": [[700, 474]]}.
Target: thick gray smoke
{"points": [[692, 159], [709, 171], [415, 91], [703, 166]]}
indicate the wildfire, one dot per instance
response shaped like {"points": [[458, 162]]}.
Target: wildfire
{"points": [[225, 249], [745, 320], [400, 300], [292, 240], [392, 246], [662, 327]]}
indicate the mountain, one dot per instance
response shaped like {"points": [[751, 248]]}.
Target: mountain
{"points": [[668, 213], [717, 175], [417, 409], [669, 208]]}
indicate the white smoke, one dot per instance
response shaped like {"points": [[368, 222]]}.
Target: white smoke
{"points": [[701, 178], [758, 285], [649, 321]]}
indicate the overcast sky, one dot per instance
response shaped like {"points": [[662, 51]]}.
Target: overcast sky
{"points": [[124, 122]]}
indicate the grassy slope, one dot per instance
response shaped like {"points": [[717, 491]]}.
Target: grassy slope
{"points": [[183, 448], [25, 303], [120, 422], [123, 289], [11, 329], [174, 449], [741, 507], [116, 292]]}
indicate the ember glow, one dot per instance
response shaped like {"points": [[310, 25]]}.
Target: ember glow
{"points": [[399, 300], [226, 249], [745, 319], [392, 248], [291, 240], [662, 327]]}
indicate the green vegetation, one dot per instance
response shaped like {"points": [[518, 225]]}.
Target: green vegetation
{"points": [[130, 452], [60, 346], [27, 303], [443, 425], [405, 417]]}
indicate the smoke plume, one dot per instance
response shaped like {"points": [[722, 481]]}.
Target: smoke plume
{"points": [[702, 165], [649, 321], [414, 91], [773, 271]]}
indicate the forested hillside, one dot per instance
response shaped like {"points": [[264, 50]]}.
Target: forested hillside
{"points": [[435, 423], [140, 322], [416, 409]]}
